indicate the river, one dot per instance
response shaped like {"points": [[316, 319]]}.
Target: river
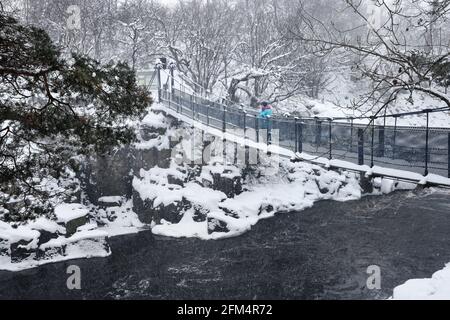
{"points": [[320, 253]]}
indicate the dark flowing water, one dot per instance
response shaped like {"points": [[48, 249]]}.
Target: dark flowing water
{"points": [[319, 253]]}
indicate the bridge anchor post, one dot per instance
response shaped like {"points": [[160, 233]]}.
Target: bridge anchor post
{"points": [[247, 149], [360, 147], [300, 136], [372, 143], [224, 140], [381, 138], [330, 139], [448, 158], [158, 77], [257, 137], [269, 136], [427, 134], [296, 133]]}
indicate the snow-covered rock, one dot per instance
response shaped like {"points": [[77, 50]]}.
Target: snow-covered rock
{"points": [[71, 216], [435, 288], [202, 208], [23, 247], [110, 201]]}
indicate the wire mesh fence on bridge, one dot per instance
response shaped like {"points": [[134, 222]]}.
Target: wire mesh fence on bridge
{"points": [[418, 149]]}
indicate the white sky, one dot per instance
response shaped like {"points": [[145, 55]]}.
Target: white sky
{"points": [[168, 2]]}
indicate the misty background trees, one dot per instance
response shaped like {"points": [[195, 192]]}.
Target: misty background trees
{"points": [[252, 50]]}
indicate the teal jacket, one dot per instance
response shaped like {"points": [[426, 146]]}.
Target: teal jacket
{"points": [[265, 113]]}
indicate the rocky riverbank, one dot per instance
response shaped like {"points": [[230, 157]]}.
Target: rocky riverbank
{"points": [[179, 182]]}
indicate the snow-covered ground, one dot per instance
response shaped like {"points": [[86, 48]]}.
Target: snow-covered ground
{"points": [[305, 106]]}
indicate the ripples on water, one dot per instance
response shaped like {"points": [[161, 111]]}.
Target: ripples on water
{"points": [[322, 252]]}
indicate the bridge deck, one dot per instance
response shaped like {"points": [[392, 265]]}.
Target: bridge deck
{"points": [[376, 171]]}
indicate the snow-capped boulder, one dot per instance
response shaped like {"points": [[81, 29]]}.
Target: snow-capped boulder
{"points": [[48, 229], [216, 225], [227, 179], [4, 247], [84, 243], [22, 242], [110, 201], [22, 249], [71, 216]]}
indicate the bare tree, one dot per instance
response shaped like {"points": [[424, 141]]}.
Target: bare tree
{"points": [[139, 36], [96, 22], [199, 37], [269, 65], [393, 44]]}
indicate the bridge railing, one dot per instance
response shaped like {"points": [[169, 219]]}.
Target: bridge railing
{"points": [[419, 149]]}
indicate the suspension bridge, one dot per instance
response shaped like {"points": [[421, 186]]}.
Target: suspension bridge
{"points": [[419, 155]]}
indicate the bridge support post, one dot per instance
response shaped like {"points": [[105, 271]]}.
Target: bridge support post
{"points": [[318, 132], [169, 98], [427, 134], [381, 141], [257, 137], [351, 134], [193, 160], [193, 107], [330, 139], [296, 133], [448, 159], [360, 147], [158, 77], [224, 129], [247, 149], [202, 160], [224, 118], [300, 136], [172, 79], [372, 144], [394, 147], [269, 135]]}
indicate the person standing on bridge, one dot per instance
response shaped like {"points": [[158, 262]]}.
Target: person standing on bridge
{"points": [[266, 110], [265, 114]]}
